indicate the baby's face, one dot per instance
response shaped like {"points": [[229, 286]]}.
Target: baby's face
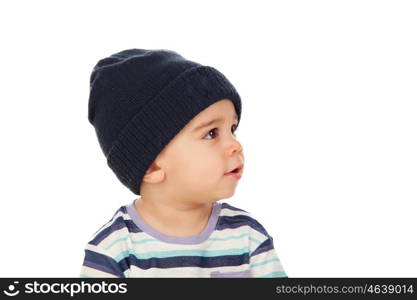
{"points": [[196, 160]]}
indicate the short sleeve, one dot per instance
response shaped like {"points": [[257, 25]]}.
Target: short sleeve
{"points": [[101, 265], [264, 261]]}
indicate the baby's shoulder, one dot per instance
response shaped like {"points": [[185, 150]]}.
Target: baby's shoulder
{"points": [[237, 217], [118, 227]]}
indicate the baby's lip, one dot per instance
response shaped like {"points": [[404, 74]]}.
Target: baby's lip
{"points": [[236, 169]]}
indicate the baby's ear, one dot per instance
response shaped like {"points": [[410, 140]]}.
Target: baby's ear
{"points": [[152, 168], [154, 174]]}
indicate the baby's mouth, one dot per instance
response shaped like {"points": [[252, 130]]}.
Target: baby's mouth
{"points": [[237, 170]]}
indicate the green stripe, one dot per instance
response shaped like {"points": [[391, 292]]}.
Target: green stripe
{"points": [[275, 274], [255, 240], [155, 240], [229, 237], [264, 262], [134, 242]]}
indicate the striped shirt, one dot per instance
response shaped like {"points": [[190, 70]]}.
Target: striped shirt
{"points": [[233, 244]]}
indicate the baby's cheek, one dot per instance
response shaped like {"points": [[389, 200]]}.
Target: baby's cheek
{"points": [[195, 166]]}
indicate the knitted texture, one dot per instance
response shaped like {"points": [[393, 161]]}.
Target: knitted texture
{"points": [[140, 99]]}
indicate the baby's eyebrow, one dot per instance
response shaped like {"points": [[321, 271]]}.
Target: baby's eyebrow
{"points": [[213, 121]]}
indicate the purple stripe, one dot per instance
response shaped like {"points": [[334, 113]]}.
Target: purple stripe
{"points": [[239, 274]]}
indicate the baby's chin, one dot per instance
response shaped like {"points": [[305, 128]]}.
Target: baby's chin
{"points": [[225, 193], [205, 192], [214, 195]]}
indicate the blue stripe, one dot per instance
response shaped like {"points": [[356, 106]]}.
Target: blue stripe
{"points": [[228, 206], [176, 253], [187, 261], [104, 263]]}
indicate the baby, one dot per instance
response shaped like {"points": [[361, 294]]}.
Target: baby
{"points": [[167, 128]]}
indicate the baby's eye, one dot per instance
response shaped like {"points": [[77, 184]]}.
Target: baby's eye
{"points": [[215, 130]]}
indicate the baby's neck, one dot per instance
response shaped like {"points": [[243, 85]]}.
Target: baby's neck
{"points": [[174, 221]]}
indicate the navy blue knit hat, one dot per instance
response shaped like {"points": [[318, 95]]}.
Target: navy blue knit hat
{"points": [[140, 99]]}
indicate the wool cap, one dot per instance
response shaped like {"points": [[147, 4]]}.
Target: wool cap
{"points": [[140, 99]]}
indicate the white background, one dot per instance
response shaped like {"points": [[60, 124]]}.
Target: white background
{"points": [[329, 125]]}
